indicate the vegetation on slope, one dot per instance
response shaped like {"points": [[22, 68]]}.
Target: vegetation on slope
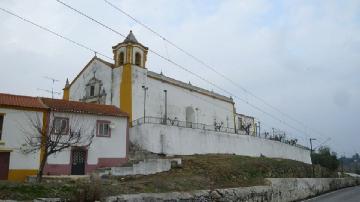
{"points": [[197, 172]]}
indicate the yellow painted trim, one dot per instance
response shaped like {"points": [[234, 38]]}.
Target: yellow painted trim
{"points": [[129, 54], [126, 91], [19, 175], [43, 137], [66, 94]]}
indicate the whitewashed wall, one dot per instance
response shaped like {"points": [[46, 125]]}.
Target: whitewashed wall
{"points": [[178, 99], [103, 73], [173, 140], [101, 147], [16, 126]]}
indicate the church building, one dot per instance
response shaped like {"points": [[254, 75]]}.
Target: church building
{"points": [[129, 85]]}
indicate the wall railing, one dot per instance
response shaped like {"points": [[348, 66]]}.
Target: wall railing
{"points": [[201, 126]]}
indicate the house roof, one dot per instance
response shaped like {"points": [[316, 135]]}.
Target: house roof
{"points": [[58, 105], [9, 100]]}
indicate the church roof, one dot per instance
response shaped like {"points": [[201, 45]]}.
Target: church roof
{"points": [[130, 38], [188, 86]]}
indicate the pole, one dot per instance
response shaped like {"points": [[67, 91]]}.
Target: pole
{"points": [[259, 128], [145, 89], [311, 152], [165, 116]]}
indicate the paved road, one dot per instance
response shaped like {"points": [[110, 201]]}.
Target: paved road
{"points": [[351, 194]]}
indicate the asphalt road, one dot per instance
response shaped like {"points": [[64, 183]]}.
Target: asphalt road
{"points": [[351, 194]]}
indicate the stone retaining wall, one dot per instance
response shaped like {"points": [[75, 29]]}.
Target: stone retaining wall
{"points": [[281, 189]]}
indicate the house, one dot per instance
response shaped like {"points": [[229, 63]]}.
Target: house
{"points": [[105, 126]]}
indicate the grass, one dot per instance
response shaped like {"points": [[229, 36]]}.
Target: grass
{"points": [[198, 172]]}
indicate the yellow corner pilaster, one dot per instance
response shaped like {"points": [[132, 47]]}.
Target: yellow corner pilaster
{"points": [[126, 91], [66, 94]]}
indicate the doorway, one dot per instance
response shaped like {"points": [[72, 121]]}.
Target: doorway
{"points": [[4, 165], [78, 160]]}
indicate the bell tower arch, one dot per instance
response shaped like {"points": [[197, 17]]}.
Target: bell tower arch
{"points": [[130, 51]]}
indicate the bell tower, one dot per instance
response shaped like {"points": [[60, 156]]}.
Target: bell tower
{"points": [[130, 51], [130, 55]]}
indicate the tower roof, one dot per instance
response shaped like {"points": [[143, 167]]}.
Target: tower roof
{"points": [[130, 38]]}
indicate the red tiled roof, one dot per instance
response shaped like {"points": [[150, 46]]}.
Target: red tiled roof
{"points": [[82, 107], [9, 100], [57, 105]]}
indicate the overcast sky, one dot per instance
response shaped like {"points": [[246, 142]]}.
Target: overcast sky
{"points": [[302, 57]]}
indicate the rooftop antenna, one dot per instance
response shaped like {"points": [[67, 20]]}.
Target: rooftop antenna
{"points": [[52, 87]]}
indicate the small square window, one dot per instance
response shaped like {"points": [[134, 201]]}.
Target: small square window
{"points": [[103, 129], [60, 125]]}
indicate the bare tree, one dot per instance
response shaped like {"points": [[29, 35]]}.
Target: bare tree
{"points": [[55, 136]]}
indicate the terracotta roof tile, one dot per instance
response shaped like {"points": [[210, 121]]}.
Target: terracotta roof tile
{"points": [[82, 107], [9, 100]]}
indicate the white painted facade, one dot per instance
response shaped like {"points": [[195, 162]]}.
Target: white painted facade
{"points": [[17, 124], [101, 147], [184, 102], [172, 140]]}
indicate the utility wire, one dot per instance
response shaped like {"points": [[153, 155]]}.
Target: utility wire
{"points": [[53, 32], [185, 69], [206, 65]]}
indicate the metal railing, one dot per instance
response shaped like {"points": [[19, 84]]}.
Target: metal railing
{"points": [[201, 126], [182, 124]]}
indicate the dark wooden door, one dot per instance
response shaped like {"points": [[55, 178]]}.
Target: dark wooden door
{"points": [[4, 165], [78, 158]]}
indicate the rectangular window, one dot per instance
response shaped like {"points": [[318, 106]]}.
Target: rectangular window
{"points": [[1, 124], [60, 125], [240, 123], [92, 90], [103, 129]]}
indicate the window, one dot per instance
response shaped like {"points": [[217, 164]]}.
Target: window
{"points": [[92, 90], [60, 125], [137, 59], [103, 129], [1, 124], [240, 123], [121, 58]]}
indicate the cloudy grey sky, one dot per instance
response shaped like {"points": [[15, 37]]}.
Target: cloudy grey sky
{"points": [[303, 57]]}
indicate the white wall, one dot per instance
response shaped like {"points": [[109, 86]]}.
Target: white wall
{"points": [[101, 147], [178, 99], [103, 73], [16, 126], [173, 140]]}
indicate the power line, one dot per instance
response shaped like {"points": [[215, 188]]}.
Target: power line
{"points": [[206, 65], [184, 68], [53, 32]]}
